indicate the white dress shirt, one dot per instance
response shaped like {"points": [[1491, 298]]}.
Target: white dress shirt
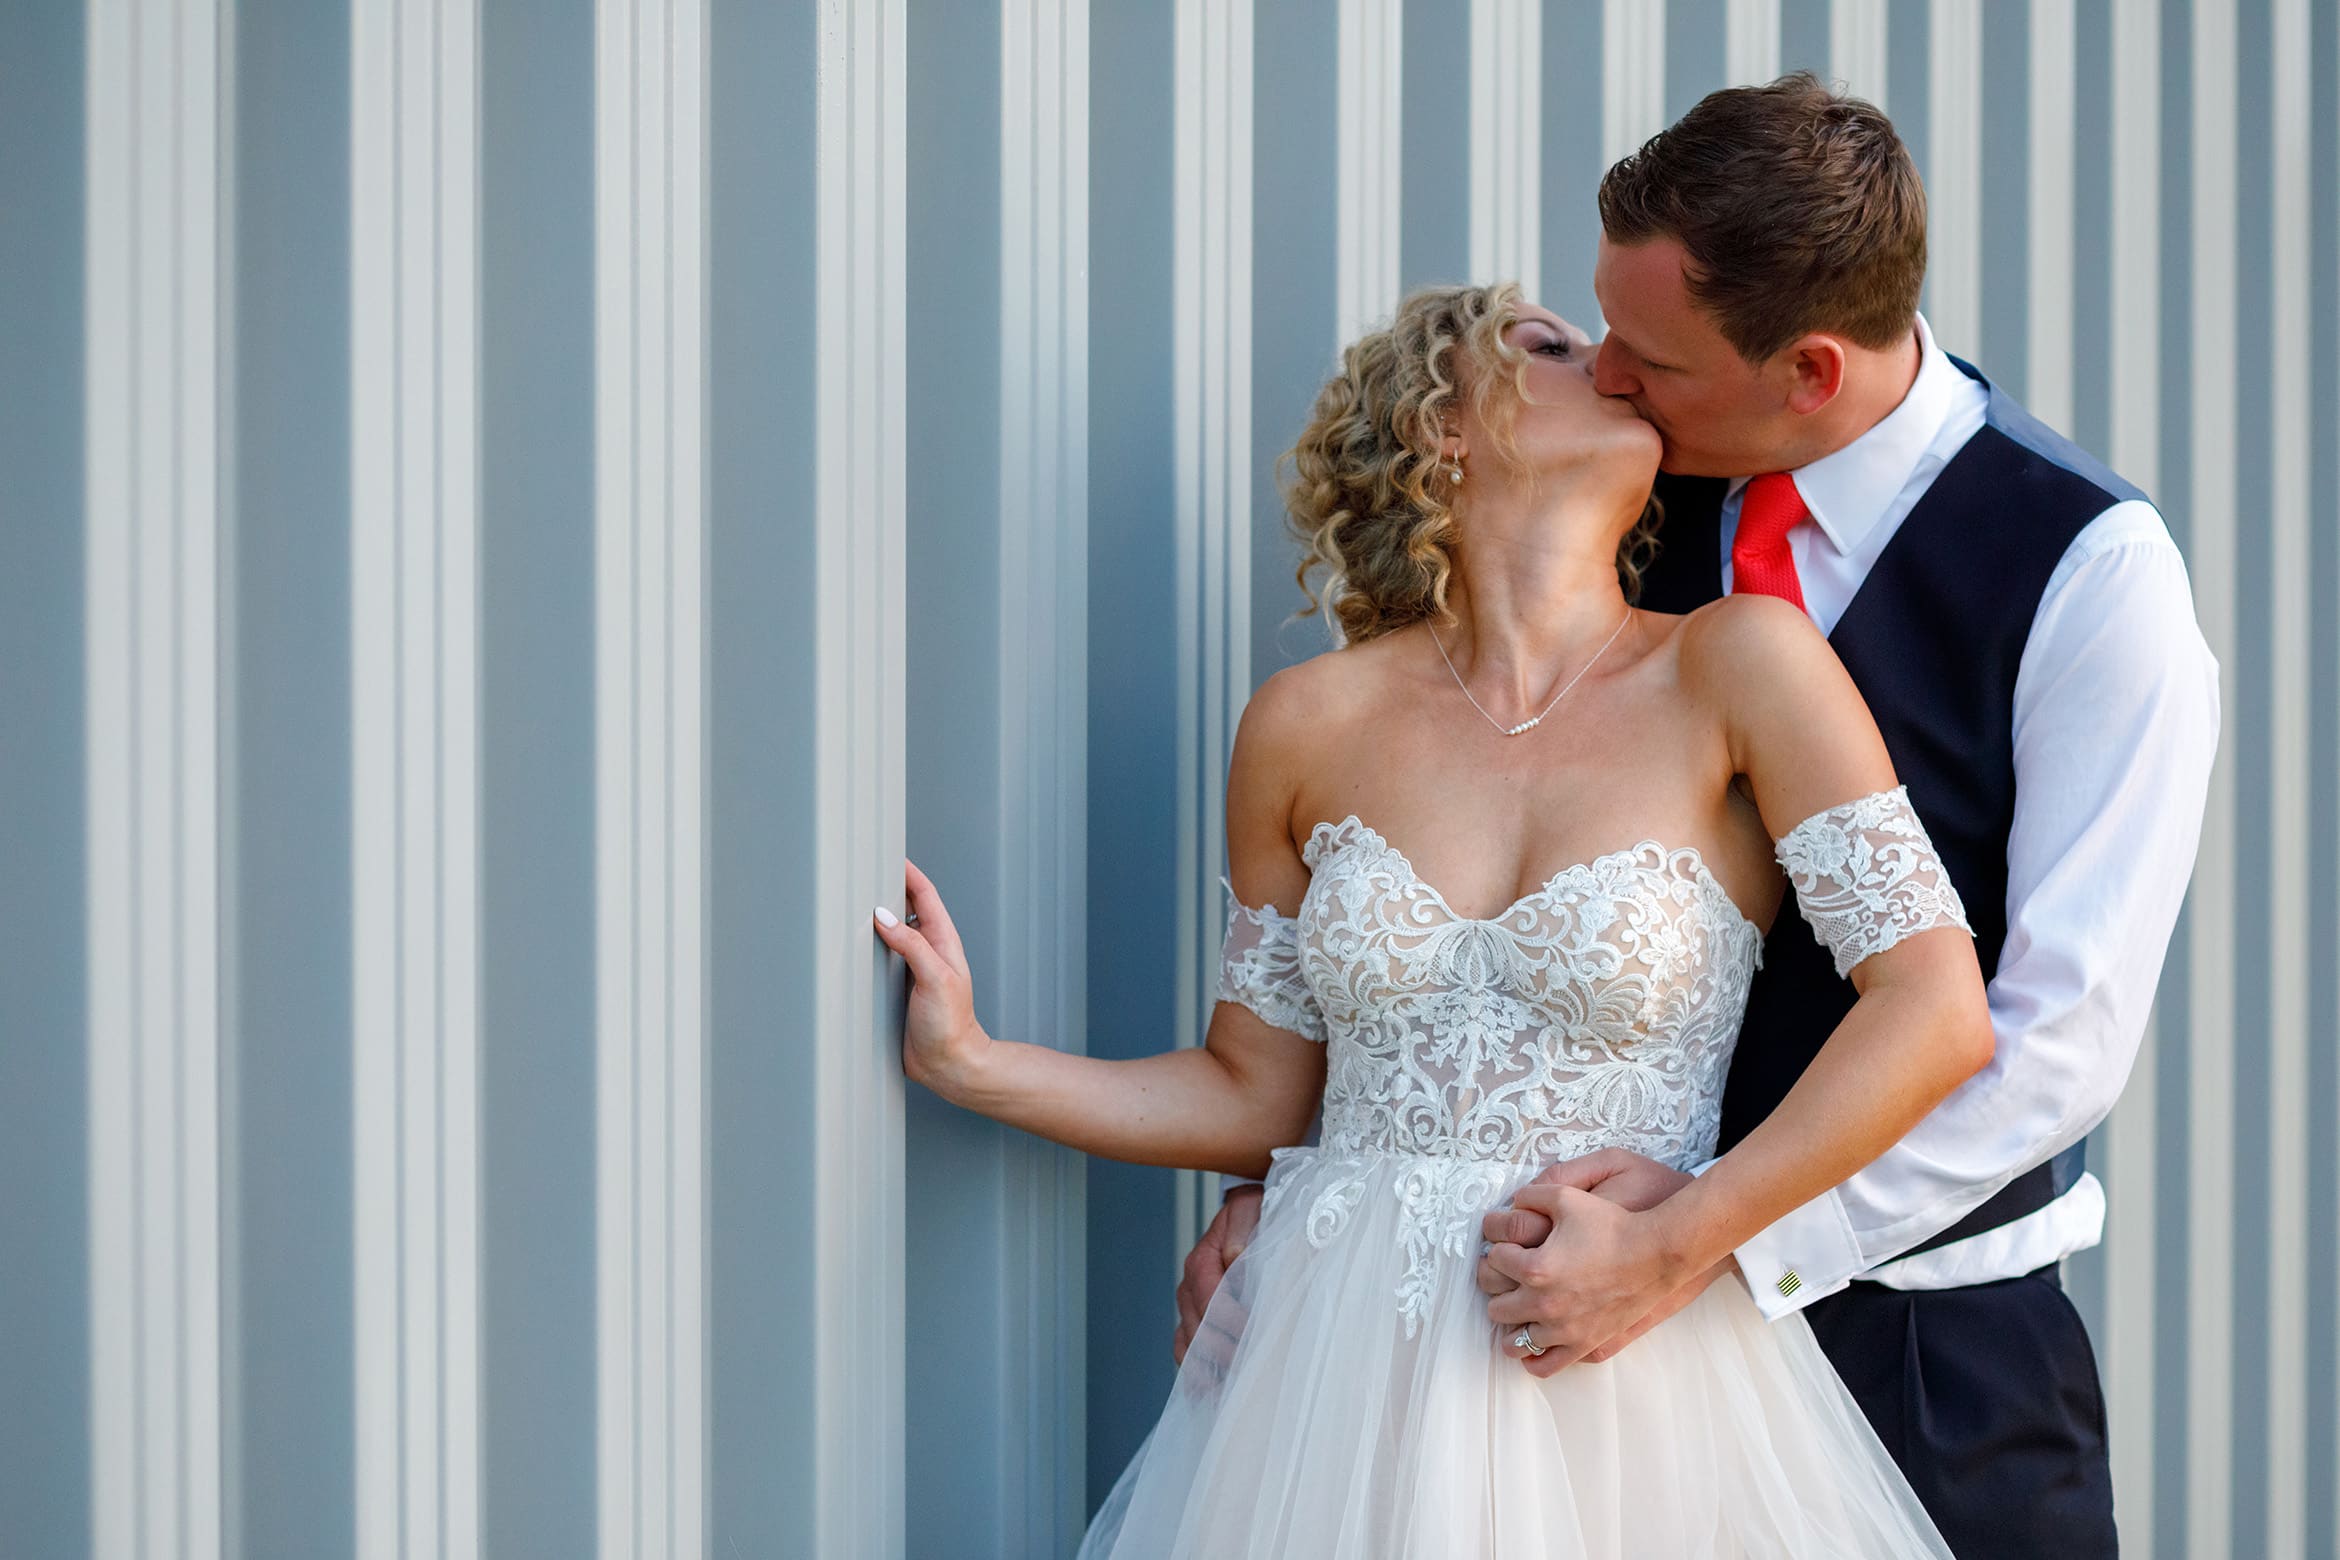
{"points": [[2115, 722]]}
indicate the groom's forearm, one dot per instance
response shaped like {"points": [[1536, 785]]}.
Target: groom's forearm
{"points": [[1907, 1043]]}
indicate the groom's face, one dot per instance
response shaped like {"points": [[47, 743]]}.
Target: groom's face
{"points": [[1720, 415]]}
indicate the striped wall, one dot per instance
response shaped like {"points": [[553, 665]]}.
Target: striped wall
{"points": [[514, 515], [430, 1123]]}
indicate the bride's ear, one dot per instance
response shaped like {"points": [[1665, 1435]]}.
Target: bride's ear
{"points": [[1816, 365]]}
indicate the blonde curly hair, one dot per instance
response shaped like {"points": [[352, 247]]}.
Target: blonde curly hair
{"points": [[1364, 495]]}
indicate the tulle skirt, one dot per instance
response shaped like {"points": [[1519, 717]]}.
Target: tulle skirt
{"points": [[1346, 1399]]}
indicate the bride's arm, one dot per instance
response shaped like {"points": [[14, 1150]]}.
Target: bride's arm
{"points": [[1249, 1088], [1801, 734]]}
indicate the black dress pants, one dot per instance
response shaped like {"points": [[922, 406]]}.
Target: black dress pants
{"points": [[1988, 1398]]}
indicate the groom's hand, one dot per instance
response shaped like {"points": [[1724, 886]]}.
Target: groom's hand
{"points": [[1616, 1175], [1666, 1307], [1220, 1245], [1590, 1284]]}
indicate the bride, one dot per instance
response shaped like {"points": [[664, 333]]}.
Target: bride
{"points": [[1501, 870]]}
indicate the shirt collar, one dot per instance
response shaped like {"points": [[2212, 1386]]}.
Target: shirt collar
{"points": [[1849, 490]]}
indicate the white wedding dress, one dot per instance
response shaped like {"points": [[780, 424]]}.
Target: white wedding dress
{"points": [[1346, 1398]]}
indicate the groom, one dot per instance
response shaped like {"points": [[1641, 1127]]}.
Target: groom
{"points": [[2021, 624]]}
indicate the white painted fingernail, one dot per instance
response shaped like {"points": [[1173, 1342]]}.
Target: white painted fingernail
{"points": [[887, 917]]}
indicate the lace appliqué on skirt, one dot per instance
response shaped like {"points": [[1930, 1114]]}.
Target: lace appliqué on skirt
{"points": [[1442, 1202], [1866, 877]]}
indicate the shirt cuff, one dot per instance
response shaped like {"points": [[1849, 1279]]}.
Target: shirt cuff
{"points": [[1236, 1183], [1805, 1256]]}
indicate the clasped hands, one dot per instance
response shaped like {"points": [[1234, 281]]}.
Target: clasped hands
{"points": [[1580, 1262]]}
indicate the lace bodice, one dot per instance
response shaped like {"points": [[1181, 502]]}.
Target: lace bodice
{"points": [[1598, 1010]]}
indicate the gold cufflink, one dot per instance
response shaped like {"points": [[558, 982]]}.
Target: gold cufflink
{"points": [[1788, 1283]]}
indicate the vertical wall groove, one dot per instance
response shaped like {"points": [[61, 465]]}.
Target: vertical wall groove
{"points": [[861, 252], [1043, 731], [649, 763], [2129, 1347], [154, 420], [1751, 41], [1211, 378], [1506, 121], [2048, 218], [1856, 47], [1572, 166], [2287, 589], [46, 1119], [1953, 171], [1370, 148], [536, 1011], [414, 518], [1633, 75], [2211, 555], [2321, 1365]]}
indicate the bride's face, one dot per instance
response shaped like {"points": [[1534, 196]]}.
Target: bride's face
{"points": [[1564, 426]]}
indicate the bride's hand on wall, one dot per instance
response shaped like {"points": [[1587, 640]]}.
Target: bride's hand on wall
{"points": [[941, 1041]]}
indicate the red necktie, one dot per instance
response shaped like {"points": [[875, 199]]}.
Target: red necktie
{"points": [[1761, 564]]}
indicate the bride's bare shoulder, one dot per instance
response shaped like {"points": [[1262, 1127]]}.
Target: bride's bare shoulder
{"points": [[1728, 643], [1288, 725], [1296, 714]]}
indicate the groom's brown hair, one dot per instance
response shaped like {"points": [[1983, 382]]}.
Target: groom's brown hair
{"points": [[1799, 209]]}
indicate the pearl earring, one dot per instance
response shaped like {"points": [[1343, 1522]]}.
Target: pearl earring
{"points": [[1455, 476]]}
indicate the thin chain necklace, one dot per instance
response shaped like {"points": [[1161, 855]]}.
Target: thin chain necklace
{"points": [[1529, 725]]}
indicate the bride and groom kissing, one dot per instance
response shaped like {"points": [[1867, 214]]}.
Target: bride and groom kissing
{"points": [[1613, 1205]]}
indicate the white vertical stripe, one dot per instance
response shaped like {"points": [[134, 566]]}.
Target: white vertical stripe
{"points": [[858, 682], [2210, 1359], [1856, 47], [2325, 678], [649, 638], [151, 485], [1506, 133], [2290, 604], [414, 519], [1211, 392], [2131, 1138], [1751, 42], [1043, 737], [1954, 177], [1633, 75], [2048, 234], [1370, 144]]}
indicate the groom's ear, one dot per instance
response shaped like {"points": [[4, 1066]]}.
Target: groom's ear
{"points": [[1815, 367]]}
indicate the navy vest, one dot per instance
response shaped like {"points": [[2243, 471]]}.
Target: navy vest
{"points": [[1933, 640]]}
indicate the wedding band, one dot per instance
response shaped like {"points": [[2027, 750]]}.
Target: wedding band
{"points": [[1521, 1340], [911, 919]]}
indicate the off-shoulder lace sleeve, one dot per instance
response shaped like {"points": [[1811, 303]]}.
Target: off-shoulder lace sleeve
{"points": [[1866, 876], [1259, 967]]}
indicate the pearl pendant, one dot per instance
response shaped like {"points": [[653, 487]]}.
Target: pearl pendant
{"points": [[1525, 725]]}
